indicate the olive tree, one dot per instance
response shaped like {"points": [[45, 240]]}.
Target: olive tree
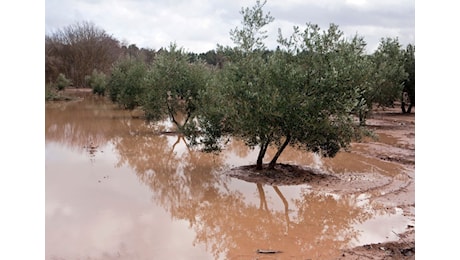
{"points": [[128, 82], [409, 82], [166, 88], [302, 95], [389, 73], [62, 82], [173, 86], [98, 82]]}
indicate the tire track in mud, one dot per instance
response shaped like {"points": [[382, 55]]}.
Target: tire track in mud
{"points": [[398, 147]]}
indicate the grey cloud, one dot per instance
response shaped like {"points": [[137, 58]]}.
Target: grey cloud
{"points": [[372, 22], [203, 23]]}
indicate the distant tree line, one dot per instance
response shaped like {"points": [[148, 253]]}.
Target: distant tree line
{"points": [[75, 51]]}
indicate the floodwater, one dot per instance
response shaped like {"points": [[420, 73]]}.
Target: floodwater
{"points": [[116, 189]]}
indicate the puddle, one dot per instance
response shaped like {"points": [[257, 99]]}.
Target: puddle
{"points": [[117, 190]]}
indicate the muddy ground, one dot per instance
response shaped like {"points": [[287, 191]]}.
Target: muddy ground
{"points": [[394, 142]]}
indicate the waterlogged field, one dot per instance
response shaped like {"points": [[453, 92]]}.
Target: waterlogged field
{"points": [[118, 189]]}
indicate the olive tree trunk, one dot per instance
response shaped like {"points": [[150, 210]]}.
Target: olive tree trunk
{"points": [[261, 155], [272, 163]]}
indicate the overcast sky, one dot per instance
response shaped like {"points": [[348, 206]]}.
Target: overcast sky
{"points": [[199, 25]]}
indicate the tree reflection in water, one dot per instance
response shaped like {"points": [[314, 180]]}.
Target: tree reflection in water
{"points": [[190, 186], [85, 124], [320, 226]]}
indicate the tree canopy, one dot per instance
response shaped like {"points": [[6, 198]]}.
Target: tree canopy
{"points": [[389, 72], [128, 82], [173, 86], [302, 96]]}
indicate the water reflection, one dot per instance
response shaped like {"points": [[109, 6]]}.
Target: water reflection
{"points": [[89, 123], [313, 225], [174, 175], [190, 186], [229, 218]]}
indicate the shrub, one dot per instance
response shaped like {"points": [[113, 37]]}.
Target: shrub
{"points": [[62, 82], [128, 82], [98, 82], [49, 92]]}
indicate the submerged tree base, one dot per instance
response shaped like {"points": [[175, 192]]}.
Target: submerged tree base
{"points": [[282, 174]]}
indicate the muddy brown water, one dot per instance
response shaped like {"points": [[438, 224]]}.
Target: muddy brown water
{"points": [[116, 189]]}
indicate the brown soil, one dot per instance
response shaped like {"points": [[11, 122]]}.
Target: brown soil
{"points": [[395, 143]]}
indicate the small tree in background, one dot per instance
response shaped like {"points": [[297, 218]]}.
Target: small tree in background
{"points": [[389, 73], [62, 82], [128, 82], [409, 82], [98, 82], [173, 86]]}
